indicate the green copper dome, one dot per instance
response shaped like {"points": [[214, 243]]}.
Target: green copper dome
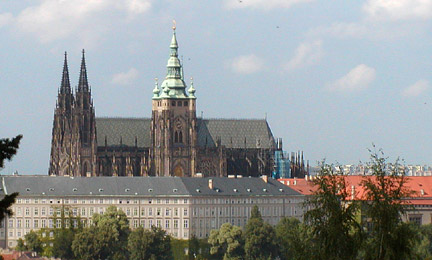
{"points": [[173, 85]]}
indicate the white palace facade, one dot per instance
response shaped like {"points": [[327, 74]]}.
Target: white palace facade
{"points": [[182, 206]]}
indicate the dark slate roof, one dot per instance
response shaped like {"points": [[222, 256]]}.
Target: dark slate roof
{"points": [[234, 132], [236, 187], [141, 186], [125, 129], [231, 132]]}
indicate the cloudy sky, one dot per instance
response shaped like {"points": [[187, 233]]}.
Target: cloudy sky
{"points": [[332, 77]]}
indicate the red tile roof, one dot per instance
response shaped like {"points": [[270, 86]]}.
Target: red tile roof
{"points": [[420, 185]]}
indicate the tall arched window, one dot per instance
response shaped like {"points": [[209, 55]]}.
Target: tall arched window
{"points": [[85, 169], [180, 137], [176, 137]]}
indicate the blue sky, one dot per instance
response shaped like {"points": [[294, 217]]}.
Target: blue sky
{"points": [[333, 77]]}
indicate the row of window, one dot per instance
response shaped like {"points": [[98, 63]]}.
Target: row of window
{"points": [[51, 223], [83, 211], [155, 201], [237, 211], [102, 201]]}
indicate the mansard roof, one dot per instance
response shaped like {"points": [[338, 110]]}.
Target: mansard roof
{"points": [[233, 133], [54, 186]]}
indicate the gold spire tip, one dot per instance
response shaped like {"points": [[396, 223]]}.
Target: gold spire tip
{"points": [[174, 24]]}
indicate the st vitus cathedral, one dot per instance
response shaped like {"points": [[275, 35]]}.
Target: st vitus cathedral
{"points": [[173, 142]]}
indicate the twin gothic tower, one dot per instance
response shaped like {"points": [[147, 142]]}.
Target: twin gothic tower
{"points": [[173, 142]]}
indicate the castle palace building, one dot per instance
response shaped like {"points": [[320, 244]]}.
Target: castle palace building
{"points": [[173, 142]]}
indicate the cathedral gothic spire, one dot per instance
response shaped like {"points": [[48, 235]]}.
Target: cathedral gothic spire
{"points": [[83, 83], [65, 83]]}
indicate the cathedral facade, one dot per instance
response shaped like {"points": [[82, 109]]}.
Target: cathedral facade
{"points": [[173, 142]]}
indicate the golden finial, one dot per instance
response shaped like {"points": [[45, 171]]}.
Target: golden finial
{"points": [[174, 24]]}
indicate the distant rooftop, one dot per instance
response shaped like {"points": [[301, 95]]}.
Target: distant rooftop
{"points": [[142, 186]]}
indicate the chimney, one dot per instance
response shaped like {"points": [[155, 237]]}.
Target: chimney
{"points": [[265, 178], [210, 184], [352, 192]]}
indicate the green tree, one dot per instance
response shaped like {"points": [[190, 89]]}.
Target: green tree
{"points": [[106, 239], [293, 239], [8, 148], [388, 236], [33, 242], [227, 242], [149, 244], [332, 217], [260, 238], [87, 244], [194, 247], [20, 245], [62, 244]]}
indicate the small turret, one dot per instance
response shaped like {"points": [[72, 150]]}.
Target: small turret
{"points": [[156, 89], [191, 90]]}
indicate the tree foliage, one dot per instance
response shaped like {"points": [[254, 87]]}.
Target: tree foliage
{"points": [[149, 244], [62, 244], [293, 239], [106, 239], [332, 217], [8, 148], [227, 242], [388, 236], [20, 245], [260, 238]]}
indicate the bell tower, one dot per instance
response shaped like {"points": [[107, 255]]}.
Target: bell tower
{"points": [[62, 142], [174, 123], [84, 117]]}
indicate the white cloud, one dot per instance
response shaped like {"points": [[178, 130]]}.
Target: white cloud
{"points": [[57, 19], [416, 89], [398, 9], [125, 78], [357, 79], [138, 6], [5, 18], [262, 4], [247, 64], [306, 54]]}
